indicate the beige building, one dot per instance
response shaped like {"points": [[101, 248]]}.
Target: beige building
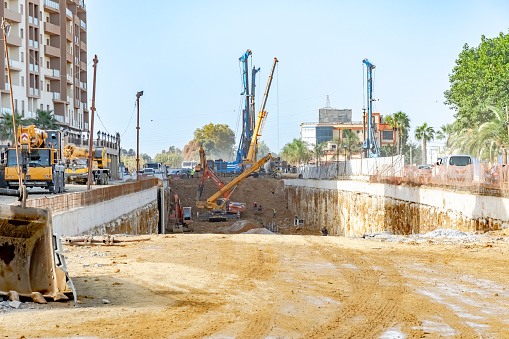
{"points": [[47, 47]]}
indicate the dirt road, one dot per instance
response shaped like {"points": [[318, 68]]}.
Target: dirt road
{"points": [[257, 286]]}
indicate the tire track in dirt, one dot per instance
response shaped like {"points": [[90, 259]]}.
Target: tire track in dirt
{"points": [[374, 303]]}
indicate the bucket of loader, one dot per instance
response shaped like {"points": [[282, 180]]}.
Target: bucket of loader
{"points": [[29, 260]]}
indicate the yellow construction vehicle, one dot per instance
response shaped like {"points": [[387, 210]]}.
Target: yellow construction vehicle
{"points": [[218, 203], [40, 160], [76, 165]]}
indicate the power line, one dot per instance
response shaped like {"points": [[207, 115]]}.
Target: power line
{"points": [[132, 114]]}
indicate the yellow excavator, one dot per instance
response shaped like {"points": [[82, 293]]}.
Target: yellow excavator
{"points": [[218, 203], [76, 165]]}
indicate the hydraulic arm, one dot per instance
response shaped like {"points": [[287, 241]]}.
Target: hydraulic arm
{"points": [[370, 143]]}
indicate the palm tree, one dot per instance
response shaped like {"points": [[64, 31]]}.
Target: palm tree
{"points": [[6, 127], [45, 120], [318, 151], [351, 142], [296, 152], [402, 124], [425, 133], [391, 120], [445, 132]]}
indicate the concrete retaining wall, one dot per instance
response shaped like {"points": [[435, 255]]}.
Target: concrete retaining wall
{"points": [[355, 207], [129, 208]]}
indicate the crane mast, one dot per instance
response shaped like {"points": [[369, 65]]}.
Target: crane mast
{"points": [[370, 144], [262, 115], [244, 139]]}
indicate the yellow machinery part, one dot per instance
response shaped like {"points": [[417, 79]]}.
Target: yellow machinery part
{"points": [[27, 254]]}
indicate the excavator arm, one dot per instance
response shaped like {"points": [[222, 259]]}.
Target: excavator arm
{"points": [[211, 203]]}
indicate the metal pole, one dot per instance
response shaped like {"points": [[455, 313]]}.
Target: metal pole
{"points": [[138, 138], [91, 138], [138, 95]]}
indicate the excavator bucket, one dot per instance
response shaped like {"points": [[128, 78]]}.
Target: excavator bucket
{"points": [[31, 262]]}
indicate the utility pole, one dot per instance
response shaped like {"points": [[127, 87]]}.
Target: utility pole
{"points": [[138, 95], [91, 138], [507, 123]]}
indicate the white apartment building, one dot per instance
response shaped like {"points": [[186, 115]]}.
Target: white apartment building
{"points": [[47, 47]]}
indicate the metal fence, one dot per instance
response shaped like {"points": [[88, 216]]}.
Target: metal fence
{"points": [[384, 166]]}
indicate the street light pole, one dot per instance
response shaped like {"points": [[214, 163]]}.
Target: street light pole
{"points": [[138, 95], [91, 138]]}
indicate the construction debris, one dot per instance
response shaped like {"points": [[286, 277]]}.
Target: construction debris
{"points": [[107, 239]]}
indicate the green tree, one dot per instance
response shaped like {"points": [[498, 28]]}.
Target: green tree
{"points": [[6, 126], [424, 133], [351, 142], [318, 152], [445, 132], [262, 150], [296, 152], [479, 79], [146, 157], [221, 135], [44, 120]]}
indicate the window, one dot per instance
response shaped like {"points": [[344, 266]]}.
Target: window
{"points": [[15, 105], [21, 33], [47, 64], [22, 57], [42, 107], [47, 42], [47, 107], [21, 9], [22, 82], [23, 107], [387, 135], [47, 87]]}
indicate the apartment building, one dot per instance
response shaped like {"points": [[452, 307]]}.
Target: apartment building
{"points": [[47, 47]]}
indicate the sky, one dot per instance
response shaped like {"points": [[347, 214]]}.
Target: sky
{"points": [[185, 55]]}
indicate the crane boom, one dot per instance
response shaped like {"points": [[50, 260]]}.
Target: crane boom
{"points": [[211, 202], [241, 151], [262, 115]]}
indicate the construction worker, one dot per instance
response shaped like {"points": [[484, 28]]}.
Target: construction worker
{"points": [[273, 213], [324, 231], [254, 205], [259, 207]]}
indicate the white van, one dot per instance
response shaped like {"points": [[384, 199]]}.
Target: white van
{"points": [[457, 167]]}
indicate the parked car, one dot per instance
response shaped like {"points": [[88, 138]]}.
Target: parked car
{"points": [[180, 173], [148, 171], [455, 167]]}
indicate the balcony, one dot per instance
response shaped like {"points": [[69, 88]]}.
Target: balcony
{"points": [[85, 106], [14, 65], [51, 6], [12, 16], [76, 103], [36, 92], [76, 82], [36, 44], [86, 125], [69, 78], [68, 36], [69, 57], [56, 72], [66, 120], [52, 51], [14, 41], [56, 96], [69, 99], [51, 29], [82, 5], [7, 87], [58, 118], [83, 24], [83, 85], [83, 65], [69, 13], [83, 46]]}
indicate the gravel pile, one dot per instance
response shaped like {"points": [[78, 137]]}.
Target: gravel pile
{"points": [[443, 236], [258, 231]]}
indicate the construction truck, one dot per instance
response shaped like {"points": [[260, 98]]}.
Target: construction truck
{"points": [[218, 206], [76, 165], [40, 160]]}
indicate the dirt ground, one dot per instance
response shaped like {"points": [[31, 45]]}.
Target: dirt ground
{"points": [[277, 286], [267, 192]]}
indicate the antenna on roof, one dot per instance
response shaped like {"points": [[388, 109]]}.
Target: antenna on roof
{"points": [[327, 104]]}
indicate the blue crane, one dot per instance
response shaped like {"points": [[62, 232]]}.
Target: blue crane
{"points": [[245, 137], [370, 143]]}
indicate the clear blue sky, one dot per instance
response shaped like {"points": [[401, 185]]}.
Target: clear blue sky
{"points": [[184, 56]]}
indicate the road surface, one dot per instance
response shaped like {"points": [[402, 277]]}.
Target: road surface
{"points": [[258, 286]]}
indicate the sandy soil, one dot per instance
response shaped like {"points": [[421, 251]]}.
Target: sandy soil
{"points": [[288, 286]]}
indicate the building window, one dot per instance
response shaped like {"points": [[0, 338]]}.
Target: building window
{"points": [[21, 33], [23, 107], [42, 107], [47, 108], [47, 64], [15, 105], [387, 135], [47, 87], [22, 81], [21, 9], [22, 57]]}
